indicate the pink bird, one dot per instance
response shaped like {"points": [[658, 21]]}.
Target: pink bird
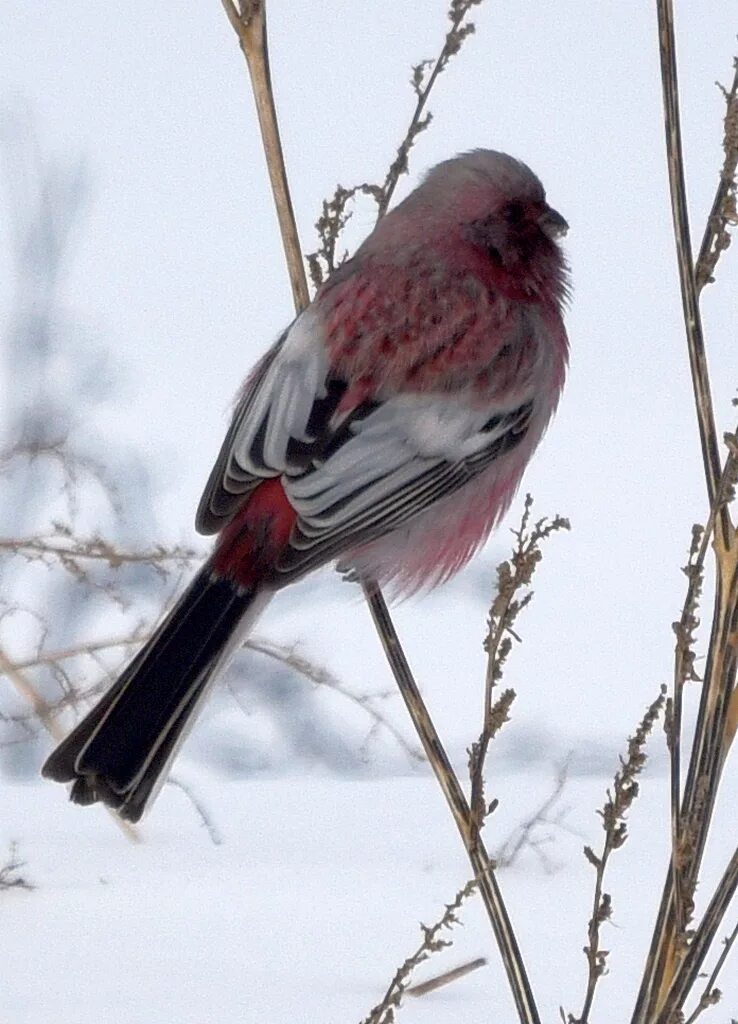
{"points": [[388, 428]]}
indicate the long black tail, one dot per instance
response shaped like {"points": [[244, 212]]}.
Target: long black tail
{"points": [[120, 751]]}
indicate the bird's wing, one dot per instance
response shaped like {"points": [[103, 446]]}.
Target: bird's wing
{"points": [[272, 412], [396, 459], [357, 465]]}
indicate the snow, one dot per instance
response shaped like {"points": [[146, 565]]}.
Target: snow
{"points": [[308, 904]]}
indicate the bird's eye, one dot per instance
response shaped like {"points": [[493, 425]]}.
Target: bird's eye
{"points": [[514, 213]]}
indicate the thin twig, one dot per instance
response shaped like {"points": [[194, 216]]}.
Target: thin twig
{"points": [[335, 212], [320, 676], [614, 823], [441, 980], [716, 238], [711, 995], [449, 783], [210, 827], [513, 576], [432, 942], [423, 85]]}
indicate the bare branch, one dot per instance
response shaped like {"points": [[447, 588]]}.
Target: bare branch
{"points": [[441, 980], [692, 318], [614, 823], [336, 211], [513, 577], [249, 23], [716, 238], [480, 860], [711, 995], [383, 1012]]}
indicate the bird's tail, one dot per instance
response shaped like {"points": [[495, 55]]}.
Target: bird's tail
{"points": [[120, 751]]}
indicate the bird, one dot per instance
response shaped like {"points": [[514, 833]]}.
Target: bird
{"points": [[386, 431]]}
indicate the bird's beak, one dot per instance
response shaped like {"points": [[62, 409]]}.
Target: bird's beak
{"points": [[552, 224]]}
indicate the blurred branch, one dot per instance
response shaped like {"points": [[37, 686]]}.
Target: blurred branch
{"points": [[42, 710], [441, 980], [64, 548], [525, 836], [10, 878], [210, 827], [27, 691], [321, 676], [89, 648]]}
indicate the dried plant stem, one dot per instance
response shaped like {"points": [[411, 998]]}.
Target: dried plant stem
{"points": [[513, 578], [692, 318], [689, 969], [614, 813], [423, 87], [690, 825], [683, 671], [433, 942], [482, 865], [723, 211], [249, 23], [447, 977], [711, 995]]}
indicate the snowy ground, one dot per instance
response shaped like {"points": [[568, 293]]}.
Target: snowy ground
{"points": [[307, 905]]}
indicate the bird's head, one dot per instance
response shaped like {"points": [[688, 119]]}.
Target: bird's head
{"points": [[494, 207]]}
